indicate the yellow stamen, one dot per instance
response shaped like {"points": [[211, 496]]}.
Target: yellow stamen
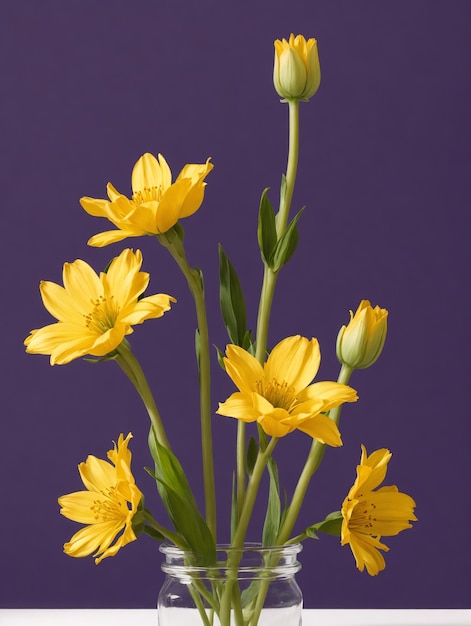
{"points": [[147, 194], [103, 316], [280, 395]]}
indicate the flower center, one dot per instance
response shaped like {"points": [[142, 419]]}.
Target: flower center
{"points": [[363, 516], [112, 507], [148, 194], [103, 315], [279, 394]]}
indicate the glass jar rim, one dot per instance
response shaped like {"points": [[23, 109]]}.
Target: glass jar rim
{"points": [[250, 546], [251, 561]]}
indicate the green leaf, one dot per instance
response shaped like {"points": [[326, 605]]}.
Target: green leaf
{"points": [[266, 230], [111, 356], [220, 357], [180, 503], [138, 519], [250, 593], [248, 343], [252, 454], [271, 526], [178, 230], [332, 525], [286, 244], [154, 533], [231, 300]]}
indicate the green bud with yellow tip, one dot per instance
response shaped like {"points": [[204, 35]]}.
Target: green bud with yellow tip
{"points": [[360, 343], [296, 71]]}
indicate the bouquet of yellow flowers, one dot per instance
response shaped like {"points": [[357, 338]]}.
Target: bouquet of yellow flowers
{"points": [[240, 583]]}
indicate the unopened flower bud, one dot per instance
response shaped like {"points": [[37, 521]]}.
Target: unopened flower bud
{"points": [[296, 72], [361, 342]]}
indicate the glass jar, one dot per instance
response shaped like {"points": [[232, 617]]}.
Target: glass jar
{"points": [[250, 586]]}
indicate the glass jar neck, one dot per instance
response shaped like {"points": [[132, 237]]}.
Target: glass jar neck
{"points": [[252, 562]]}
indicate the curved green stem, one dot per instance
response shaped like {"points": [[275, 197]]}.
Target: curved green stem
{"points": [[312, 463], [131, 367], [194, 278]]}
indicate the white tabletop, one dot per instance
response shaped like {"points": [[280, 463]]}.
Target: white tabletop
{"points": [[311, 617]]}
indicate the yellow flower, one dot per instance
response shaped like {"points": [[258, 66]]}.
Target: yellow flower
{"points": [[361, 342], [107, 507], [156, 205], [94, 313], [278, 395], [368, 513], [296, 71]]}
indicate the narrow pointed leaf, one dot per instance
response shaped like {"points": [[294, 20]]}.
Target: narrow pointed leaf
{"points": [[332, 525], [231, 300], [273, 514], [180, 503], [286, 244], [252, 454], [266, 230]]}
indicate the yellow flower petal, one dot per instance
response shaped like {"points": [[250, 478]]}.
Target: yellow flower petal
{"points": [[323, 429], [64, 342], [86, 540], [169, 209], [97, 474], [110, 236], [79, 507], [95, 207], [273, 426], [151, 307], [366, 550], [146, 174], [109, 340], [331, 394], [82, 284], [240, 406], [59, 303], [295, 360], [243, 368]]}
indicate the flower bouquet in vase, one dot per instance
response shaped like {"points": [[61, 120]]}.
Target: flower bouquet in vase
{"points": [[209, 583]]}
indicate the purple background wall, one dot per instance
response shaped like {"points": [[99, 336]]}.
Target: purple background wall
{"points": [[384, 171]]}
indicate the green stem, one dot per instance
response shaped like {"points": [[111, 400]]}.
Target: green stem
{"points": [[270, 277], [264, 310], [131, 367], [195, 283], [241, 530], [291, 168], [312, 463], [251, 494], [269, 282], [240, 464]]}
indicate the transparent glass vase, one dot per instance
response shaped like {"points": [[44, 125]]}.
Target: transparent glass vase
{"points": [[250, 586]]}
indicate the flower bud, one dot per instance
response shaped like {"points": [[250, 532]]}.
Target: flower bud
{"points": [[361, 342], [296, 71]]}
